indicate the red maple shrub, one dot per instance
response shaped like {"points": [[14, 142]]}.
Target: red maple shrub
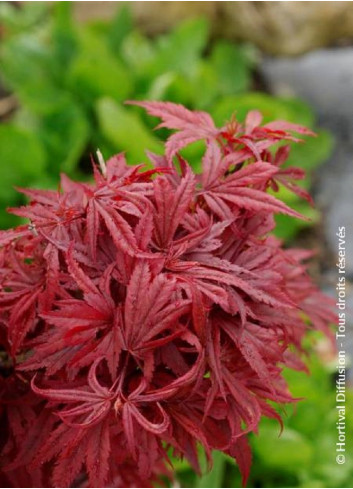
{"points": [[151, 310]]}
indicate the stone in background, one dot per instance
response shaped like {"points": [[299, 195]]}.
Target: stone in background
{"points": [[324, 79], [289, 27], [275, 27]]}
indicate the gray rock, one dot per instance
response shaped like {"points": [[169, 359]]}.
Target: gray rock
{"points": [[325, 80]]}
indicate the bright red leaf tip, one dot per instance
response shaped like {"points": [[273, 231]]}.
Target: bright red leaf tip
{"points": [[151, 309]]}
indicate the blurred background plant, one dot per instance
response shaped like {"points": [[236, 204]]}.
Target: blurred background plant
{"points": [[70, 80], [63, 85]]}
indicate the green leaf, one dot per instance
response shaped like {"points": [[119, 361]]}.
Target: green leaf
{"points": [[233, 66], [63, 35], [207, 78], [287, 228], [21, 156], [124, 129], [160, 87], [181, 88], [193, 154], [138, 53], [96, 72], [291, 451], [313, 152], [119, 28], [28, 17], [298, 111], [325, 467], [292, 110], [28, 69], [23, 160], [214, 477], [181, 49], [65, 133]]}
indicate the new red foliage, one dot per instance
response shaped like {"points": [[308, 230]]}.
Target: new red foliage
{"points": [[151, 309]]}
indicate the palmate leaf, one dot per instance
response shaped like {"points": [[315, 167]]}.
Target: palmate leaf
{"points": [[212, 164], [192, 125], [116, 199], [31, 289], [171, 206], [80, 322], [89, 447], [286, 126], [180, 51], [148, 310], [85, 432], [23, 318], [248, 349], [91, 406], [33, 439], [246, 198], [118, 227], [131, 415], [235, 190]]}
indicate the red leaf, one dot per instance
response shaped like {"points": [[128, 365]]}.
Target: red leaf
{"points": [[194, 125]]}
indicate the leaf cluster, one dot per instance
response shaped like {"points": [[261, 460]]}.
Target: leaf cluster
{"points": [[152, 311]]}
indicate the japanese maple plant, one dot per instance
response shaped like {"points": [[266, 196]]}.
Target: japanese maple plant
{"points": [[151, 311]]}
